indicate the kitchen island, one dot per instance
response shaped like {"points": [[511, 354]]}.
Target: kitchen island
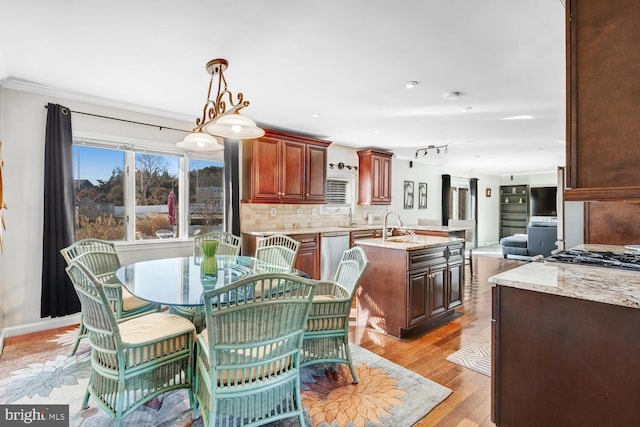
{"points": [[566, 345], [412, 283]]}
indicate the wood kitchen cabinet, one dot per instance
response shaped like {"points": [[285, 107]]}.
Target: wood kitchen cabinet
{"points": [[308, 259], [364, 234], [374, 173], [404, 291], [562, 361], [603, 102], [284, 168]]}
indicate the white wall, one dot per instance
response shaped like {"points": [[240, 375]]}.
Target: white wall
{"points": [[431, 174], [22, 119]]}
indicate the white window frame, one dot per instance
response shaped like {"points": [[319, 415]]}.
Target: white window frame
{"points": [[132, 146]]}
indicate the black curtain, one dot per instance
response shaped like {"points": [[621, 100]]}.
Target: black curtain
{"points": [[232, 187], [58, 296], [446, 198], [473, 189]]}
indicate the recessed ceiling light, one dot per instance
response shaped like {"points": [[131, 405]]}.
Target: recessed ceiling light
{"points": [[451, 95], [315, 116], [376, 131], [466, 109], [520, 117], [410, 84]]}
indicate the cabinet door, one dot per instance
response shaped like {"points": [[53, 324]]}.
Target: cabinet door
{"points": [[316, 173], [455, 285], [385, 180], [265, 175], [437, 297], [376, 180], [417, 297], [603, 128], [292, 179], [308, 259]]}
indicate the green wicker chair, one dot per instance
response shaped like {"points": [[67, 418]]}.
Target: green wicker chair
{"points": [[247, 358], [133, 360], [228, 244], [276, 253], [326, 336], [103, 264]]}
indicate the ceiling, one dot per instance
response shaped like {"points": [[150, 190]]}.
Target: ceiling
{"points": [[346, 61]]}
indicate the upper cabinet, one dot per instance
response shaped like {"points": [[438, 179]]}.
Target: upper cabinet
{"points": [[603, 101], [374, 173], [284, 168]]}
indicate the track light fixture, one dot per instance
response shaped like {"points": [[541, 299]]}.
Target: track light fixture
{"points": [[221, 116], [432, 147]]}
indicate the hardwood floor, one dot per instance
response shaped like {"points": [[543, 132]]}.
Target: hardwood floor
{"points": [[470, 403]]}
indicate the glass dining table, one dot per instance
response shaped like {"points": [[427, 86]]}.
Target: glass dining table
{"points": [[179, 282]]}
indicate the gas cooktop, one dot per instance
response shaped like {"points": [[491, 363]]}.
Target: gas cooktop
{"points": [[623, 260]]}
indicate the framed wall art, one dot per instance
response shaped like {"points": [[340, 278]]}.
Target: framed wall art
{"points": [[422, 195], [408, 194]]}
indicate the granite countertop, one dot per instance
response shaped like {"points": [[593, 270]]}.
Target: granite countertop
{"points": [[347, 228], [409, 243], [312, 230], [598, 284]]}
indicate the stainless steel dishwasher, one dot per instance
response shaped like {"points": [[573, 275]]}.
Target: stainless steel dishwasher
{"points": [[332, 246]]}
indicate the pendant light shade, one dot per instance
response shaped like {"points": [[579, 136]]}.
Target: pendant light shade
{"points": [[199, 141], [234, 126], [220, 115]]}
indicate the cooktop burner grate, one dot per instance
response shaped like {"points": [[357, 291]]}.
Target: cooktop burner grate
{"points": [[624, 260]]}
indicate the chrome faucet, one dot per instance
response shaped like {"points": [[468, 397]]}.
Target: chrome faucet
{"points": [[384, 226]]}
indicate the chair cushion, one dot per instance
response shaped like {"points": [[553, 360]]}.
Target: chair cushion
{"points": [[249, 374], [129, 302], [153, 326], [323, 297]]}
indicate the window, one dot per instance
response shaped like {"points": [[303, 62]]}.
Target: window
{"points": [[99, 185], [206, 196], [116, 183], [339, 196], [156, 178]]}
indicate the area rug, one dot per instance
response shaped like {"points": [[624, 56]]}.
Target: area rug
{"points": [[387, 394], [475, 354]]}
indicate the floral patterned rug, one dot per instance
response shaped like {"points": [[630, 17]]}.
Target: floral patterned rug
{"points": [[387, 394]]}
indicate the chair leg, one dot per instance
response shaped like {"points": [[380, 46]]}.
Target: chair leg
{"points": [[85, 401], [82, 333], [348, 354], [471, 261]]}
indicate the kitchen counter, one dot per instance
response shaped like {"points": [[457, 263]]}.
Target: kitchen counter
{"points": [[356, 227], [310, 230], [412, 283], [409, 243], [598, 284], [565, 344]]}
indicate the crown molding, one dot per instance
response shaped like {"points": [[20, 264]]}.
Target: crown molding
{"points": [[36, 88]]}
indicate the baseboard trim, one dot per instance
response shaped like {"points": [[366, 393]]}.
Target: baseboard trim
{"points": [[48, 323]]}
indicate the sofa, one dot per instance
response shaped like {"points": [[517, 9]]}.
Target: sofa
{"points": [[540, 239]]}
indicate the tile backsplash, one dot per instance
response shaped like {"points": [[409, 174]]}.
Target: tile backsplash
{"points": [[259, 216]]}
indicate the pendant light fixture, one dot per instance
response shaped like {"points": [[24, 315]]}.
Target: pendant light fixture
{"points": [[220, 115]]}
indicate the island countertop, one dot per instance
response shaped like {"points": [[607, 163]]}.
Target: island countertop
{"points": [[598, 284], [409, 242], [347, 228]]}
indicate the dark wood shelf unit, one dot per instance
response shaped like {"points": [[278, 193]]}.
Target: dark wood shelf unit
{"points": [[514, 209]]}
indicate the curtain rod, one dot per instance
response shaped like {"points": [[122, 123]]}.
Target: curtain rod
{"points": [[126, 121]]}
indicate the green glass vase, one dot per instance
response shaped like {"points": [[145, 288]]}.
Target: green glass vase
{"points": [[209, 264]]}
